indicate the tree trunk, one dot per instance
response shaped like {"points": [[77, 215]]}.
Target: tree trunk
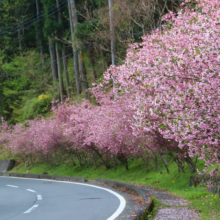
{"points": [[91, 47], [112, 32], [158, 165], [163, 158], [178, 162], [152, 163], [146, 165], [75, 55], [53, 60], [59, 73], [191, 164], [106, 164], [58, 57], [112, 37], [19, 39], [115, 163], [39, 33], [73, 23], [92, 59], [82, 71], [123, 160], [65, 69]]}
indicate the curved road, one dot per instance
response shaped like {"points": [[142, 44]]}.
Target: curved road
{"points": [[34, 199]]}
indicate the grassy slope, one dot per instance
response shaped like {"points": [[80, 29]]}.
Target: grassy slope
{"points": [[177, 183]]}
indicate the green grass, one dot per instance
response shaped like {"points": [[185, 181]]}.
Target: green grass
{"points": [[5, 154], [177, 183]]}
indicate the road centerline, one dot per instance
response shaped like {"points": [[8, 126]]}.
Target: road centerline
{"points": [[30, 190], [12, 186], [39, 197], [31, 209]]}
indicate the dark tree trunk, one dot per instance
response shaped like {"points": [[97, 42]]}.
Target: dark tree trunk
{"points": [[163, 158], [39, 33], [59, 73], [73, 23], [92, 59], [53, 60], [19, 40], [61, 88], [158, 165], [152, 163], [65, 69], [82, 71]]}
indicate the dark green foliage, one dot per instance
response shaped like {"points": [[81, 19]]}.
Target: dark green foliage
{"points": [[20, 88], [25, 65], [34, 108], [86, 29]]}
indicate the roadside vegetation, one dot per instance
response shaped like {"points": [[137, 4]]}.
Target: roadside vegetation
{"points": [[199, 198]]}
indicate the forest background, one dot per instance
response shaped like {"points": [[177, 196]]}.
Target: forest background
{"points": [[54, 49]]}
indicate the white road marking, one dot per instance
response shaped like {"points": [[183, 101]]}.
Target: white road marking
{"points": [[112, 217], [31, 209], [121, 206], [30, 190], [39, 197], [12, 186]]}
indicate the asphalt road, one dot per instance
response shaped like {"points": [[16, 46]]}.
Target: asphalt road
{"points": [[33, 199]]}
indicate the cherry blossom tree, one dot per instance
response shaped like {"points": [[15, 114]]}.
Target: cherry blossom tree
{"points": [[174, 76]]}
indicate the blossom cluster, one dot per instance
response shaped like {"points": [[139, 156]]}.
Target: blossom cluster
{"points": [[173, 76]]}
